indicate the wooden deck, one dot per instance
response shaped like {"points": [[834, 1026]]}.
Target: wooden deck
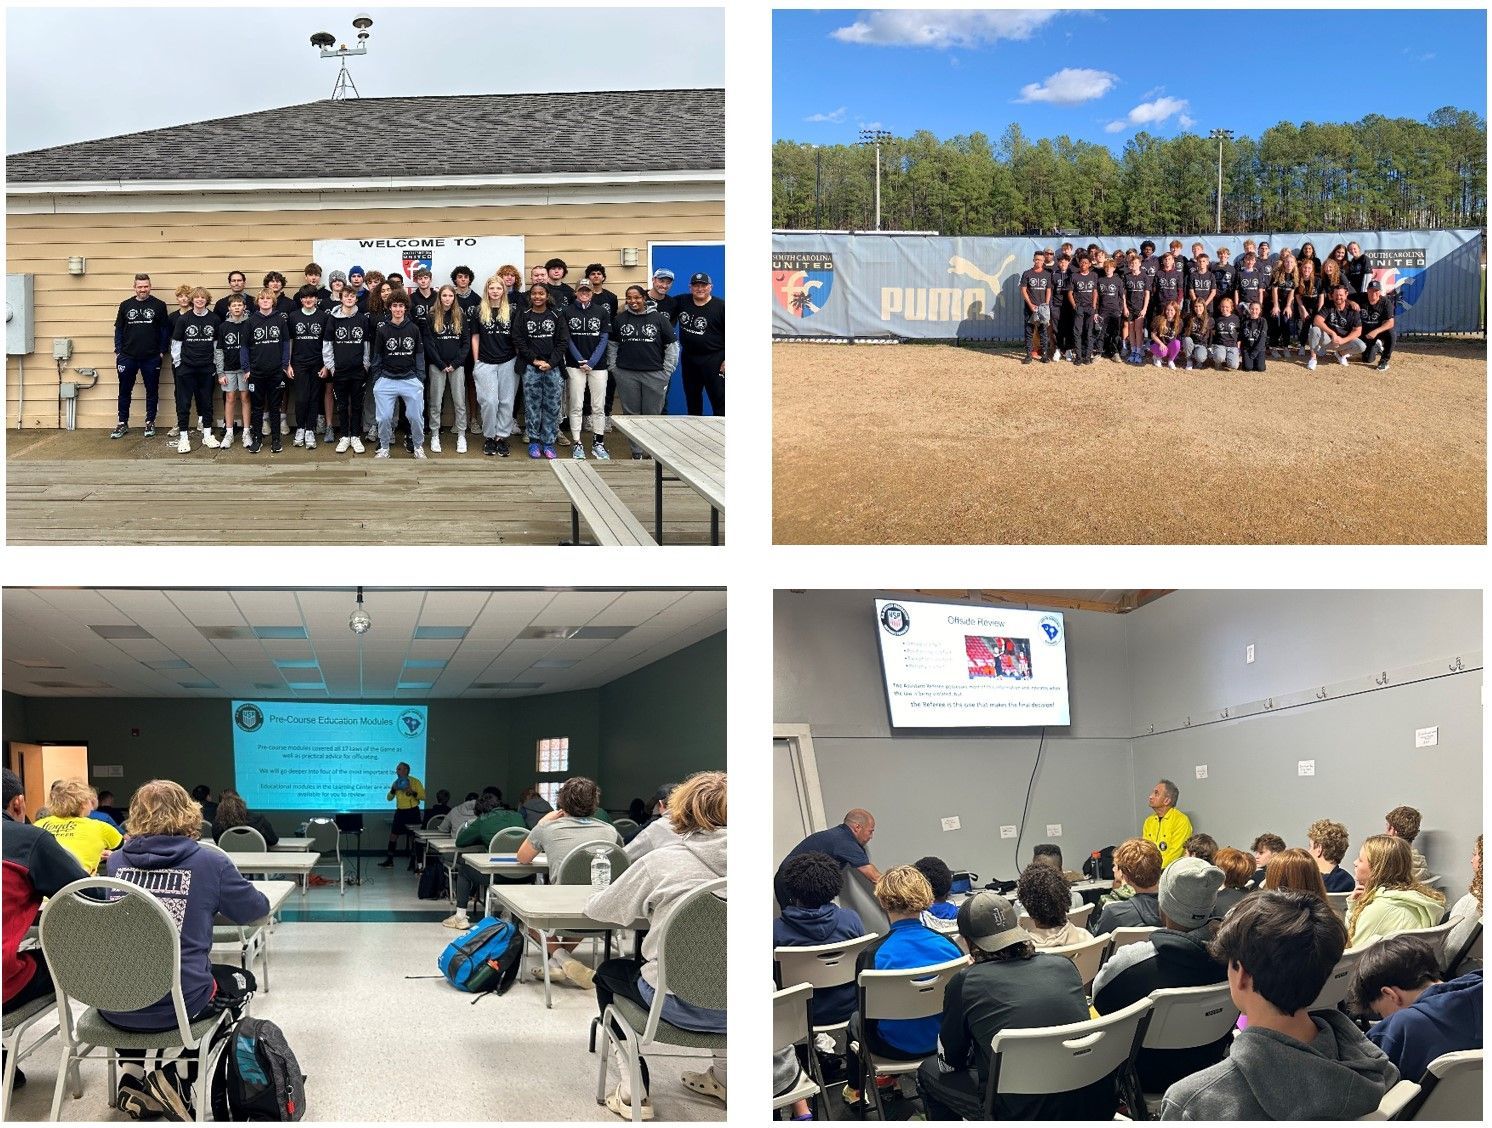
{"points": [[80, 487]]}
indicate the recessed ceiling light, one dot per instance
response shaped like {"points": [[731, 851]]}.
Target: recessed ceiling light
{"points": [[121, 632], [440, 632], [295, 663], [416, 685], [425, 664], [225, 634], [548, 632], [197, 685], [37, 663], [279, 632], [601, 632], [306, 685], [168, 664], [555, 663]]}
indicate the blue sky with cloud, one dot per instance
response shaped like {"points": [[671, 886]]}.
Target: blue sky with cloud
{"points": [[1104, 76]]}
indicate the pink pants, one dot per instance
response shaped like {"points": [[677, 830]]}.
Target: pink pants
{"points": [[1168, 351]]}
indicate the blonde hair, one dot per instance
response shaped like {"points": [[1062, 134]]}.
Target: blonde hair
{"points": [[438, 318], [1390, 866], [163, 806], [698, 803], [903, 889], [183, 291], [504, 312], [69, 798]]}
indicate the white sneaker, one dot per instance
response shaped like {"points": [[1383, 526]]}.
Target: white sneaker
{"points": [[1311, 363], [183, 442], [247, 442], [1170, 364], [1188, 366], [1342, 359], [342, 444], [284, 426], [172, 433], [357, 445], [457, 920], [300, 437], [461, 443], [310, 440], [210, 440], [419, 451], [383, 452], [435, 444], [1157, 362]]}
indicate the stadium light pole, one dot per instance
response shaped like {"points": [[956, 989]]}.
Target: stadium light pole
{"points": [[876, 137], [1220, 135]]}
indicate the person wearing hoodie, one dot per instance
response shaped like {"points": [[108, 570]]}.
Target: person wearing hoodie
{"points": [[650, 888], [1388, 898], [196, 885], [810, 917], [1043, 895], [344, 352], [231, 376], [643, 353], [589, 324], [1328, 846], [1177, 955], [1253, 333], [1137, 865], [447, 342], [265, 356], [942, 914], [541, 338], [195, 363], [490, 817], [398, 358], [1398, 980], [307, 334], [657, 830], [1279, 948]]}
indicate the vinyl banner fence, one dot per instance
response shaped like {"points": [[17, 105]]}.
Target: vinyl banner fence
{"points": [[930, 287]]}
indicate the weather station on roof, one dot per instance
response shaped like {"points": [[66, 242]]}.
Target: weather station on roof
{"points": [[324, 41]]}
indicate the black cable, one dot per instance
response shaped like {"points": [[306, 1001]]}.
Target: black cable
{"points": [[1021, 830]]}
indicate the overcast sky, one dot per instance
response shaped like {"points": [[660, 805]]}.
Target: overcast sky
{"points": [[78, 74]]}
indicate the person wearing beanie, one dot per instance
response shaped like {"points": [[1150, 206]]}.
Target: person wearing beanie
{"points": [[1175, 955]]}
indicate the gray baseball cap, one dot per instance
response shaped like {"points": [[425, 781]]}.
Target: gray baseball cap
{"points": [[988, 922]]}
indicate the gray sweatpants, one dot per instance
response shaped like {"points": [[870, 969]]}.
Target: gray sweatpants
{"points": [[439, 381], [1318, 342], [1226, 356], [497, 387], [386, 393], [1194, 351], [641, 393]]}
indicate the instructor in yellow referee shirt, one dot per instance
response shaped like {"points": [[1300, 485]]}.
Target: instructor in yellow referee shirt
{"points": [[407, 793], [1167, 827]]}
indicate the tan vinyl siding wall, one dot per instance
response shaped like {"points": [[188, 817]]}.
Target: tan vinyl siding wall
{"points": [[200, 247]]}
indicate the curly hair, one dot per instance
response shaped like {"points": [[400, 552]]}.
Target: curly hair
{"points": [[1475, 888], [1043, 893], [1405, 821], [698, 803], [69, 798], [1237, 867], [579, 797], [938, 875], [162, 806], [1331, 837], [903, 889], [1271, 842], [812, 880], [1140, 862]]}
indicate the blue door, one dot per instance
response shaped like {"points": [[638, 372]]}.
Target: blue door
{"points": [[685, 259]]}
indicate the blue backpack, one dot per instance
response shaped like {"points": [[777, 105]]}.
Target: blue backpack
{"points": [[485, 960]]}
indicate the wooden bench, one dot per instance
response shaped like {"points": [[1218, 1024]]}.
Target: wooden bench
{"points": [[591, 499]]}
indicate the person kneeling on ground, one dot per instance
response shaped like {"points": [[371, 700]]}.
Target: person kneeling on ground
{"points": [[1398, 980], [1288, 1063], [1009, 986], [649, 889]]}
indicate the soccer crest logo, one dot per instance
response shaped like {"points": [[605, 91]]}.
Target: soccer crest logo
{"points": [[414, 260], [801, 283]]}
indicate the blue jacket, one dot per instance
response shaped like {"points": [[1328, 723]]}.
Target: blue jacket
{"points": [[1446, 1017], [827, 924], [910, 943]]}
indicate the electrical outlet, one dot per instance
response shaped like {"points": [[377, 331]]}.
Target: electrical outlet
{"points": [[1248, 654], [1427, 737], [951, 823], [1007, 832], [1054, 830], [1201, 771], [1305, 767]]}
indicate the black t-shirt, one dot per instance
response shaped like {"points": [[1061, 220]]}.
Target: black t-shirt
{"points": [[1341, 321], [1167, 286], [1225, 278], [470, 303], [1284, 288], [587, 325], [1225, 330], [1253, 330], [701, 328], [642, 339], [197, 334], [1136, 287], [220, 307], [1084, 287], [667, 305], [1202, 285], [1374, 314], [1110, 293], [1250, 285], [140, 328], [609, 300], [495, 338], [421, 307], [1038, 286], [1150, 267], [1061, 283], [1359, 271], [268, 338], [230, 338], [447, 345]]}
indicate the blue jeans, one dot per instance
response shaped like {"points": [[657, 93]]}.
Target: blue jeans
{"points": [[386, 393], [149, 370], [541, 403]]}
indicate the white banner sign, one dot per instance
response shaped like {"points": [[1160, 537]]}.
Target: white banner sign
{"points": [[441, 253]]}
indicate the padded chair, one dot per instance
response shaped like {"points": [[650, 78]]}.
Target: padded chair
{"points": [[1468, 957], [626, 828], [243, 840], [1060, 1059], [1394, 1102], [326, 840], [1080, 917], [575, 869], [119, 955], [250, 940], [691, 967], [1334, 990], [439, 823], [790, 1027], [1451, 1088], [1086, 955], [204, 830], [915, 992], [1181, 1018], [17, 1022]]}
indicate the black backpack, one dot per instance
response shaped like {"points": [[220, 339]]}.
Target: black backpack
{"points": [[434, 884], [1100, 865], [257, 1077]]}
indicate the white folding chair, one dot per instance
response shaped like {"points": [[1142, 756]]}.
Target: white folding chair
{"points": [[822, 966], [1437, 936], [1338, 903], [915, 992], [1334, 990], [1060, 1059], [1451, 1088], [1081, 917], [1181, 1018], [790, 1027], [1123, 937], [1394, 1102], [1086, 955], [1469, 956], [242, 840]]}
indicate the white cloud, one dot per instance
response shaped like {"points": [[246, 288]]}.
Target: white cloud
{"points": [[1186, 121], [833, 115], [1153, 113], [1116, 127], [942, 29], [1069, 87]]}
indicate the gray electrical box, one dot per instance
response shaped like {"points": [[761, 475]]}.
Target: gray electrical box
{"points": [[20, 315]]}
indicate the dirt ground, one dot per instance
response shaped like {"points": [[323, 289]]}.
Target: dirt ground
{"points": [[934, 444]]}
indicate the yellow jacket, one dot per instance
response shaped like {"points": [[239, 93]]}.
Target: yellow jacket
{"points": [[1169, 835]]}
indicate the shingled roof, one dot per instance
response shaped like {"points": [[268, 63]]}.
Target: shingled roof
{"points": [[626, 131]]}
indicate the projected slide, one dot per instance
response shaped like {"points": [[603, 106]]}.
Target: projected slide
{"points": [[954, 666], [290, 755]]}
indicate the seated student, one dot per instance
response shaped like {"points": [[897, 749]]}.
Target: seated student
{"points": [[1289, 1063], [462, 813], [232, 812], [164, 823], [1049, 854], [1042, 893], [1175, 956], [1398, 980], [1328, 846], [1009, 986], [904, 894], [1388, 898], [811, 917], [533, 806], [88, 840], [1403, 822], [202, 796], [1467, 912], [492, 817], [1136, 862], [942, 914], [441, 806], [1294, 869], [103, 809], [657, 831], [1265, 847], [1238, 870], [649, 889], [1202, 846]]}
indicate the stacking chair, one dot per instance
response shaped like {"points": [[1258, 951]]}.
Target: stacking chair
{"points": [[575, 869], [1451, 1088], [509, 838], [1181, 1018], [1080, 917], [1437, 936], [915, 992], [1060, 1059], [1334, 990], [691, 967], [822, 966], [243, 840], [626, 828], [204, 830], [18, 1021], [1338, 903], [1086, 955], [790, 1027], [118, 955], [1394, 1102], [1470, 951], [326, 840], [1122, 937]]}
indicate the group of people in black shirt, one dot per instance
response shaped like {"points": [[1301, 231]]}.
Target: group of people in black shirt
{"points": [[365, 349], [1137, 305]]}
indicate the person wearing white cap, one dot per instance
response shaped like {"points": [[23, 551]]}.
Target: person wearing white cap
{"points": [[1009, 986], [1175, 955]]}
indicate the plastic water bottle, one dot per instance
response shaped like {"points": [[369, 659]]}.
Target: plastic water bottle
{"points": [[600, 866]]}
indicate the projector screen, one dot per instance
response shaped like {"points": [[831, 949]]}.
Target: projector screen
{"points": [[950, 665], [313, 756]]}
